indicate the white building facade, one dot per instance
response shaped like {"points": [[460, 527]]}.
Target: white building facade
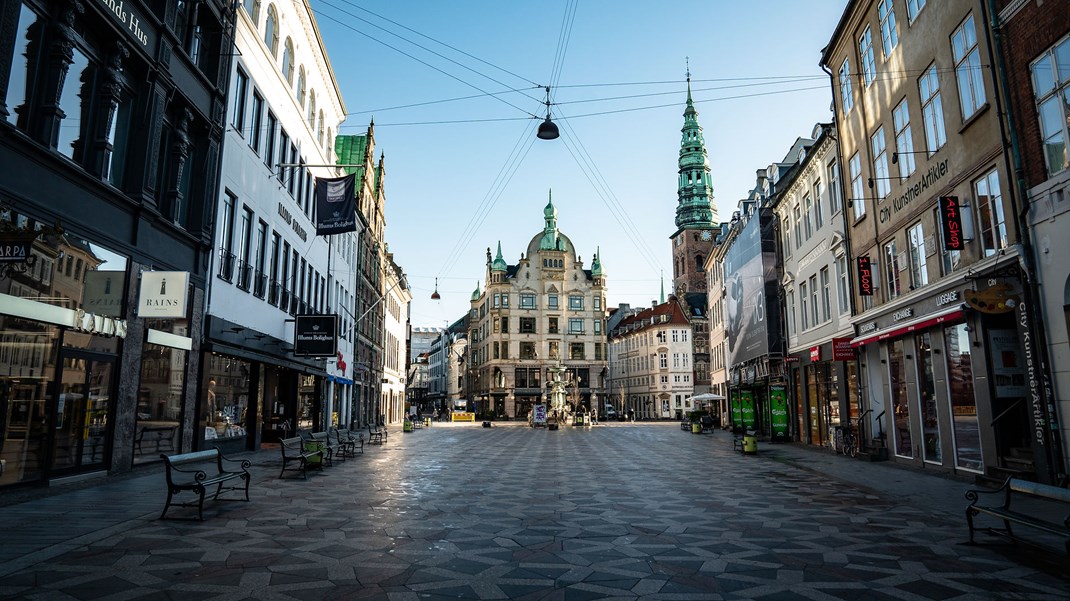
{"points": [[397, 299]]}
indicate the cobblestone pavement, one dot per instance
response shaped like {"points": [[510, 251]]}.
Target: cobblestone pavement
{"points": [[619, 512]]}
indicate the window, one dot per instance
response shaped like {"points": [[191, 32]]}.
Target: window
{"points": [[904, 143], [843, 283], [919, 274], [551, 302], [269, 151], [284, 143], [913, 8], [75, 100], [497, 301], [241, 88], [226, 237], [803, 300], [527, 325], [891, 266], [857, 198], [260, 281], [255, 132], [288, 61], [575, 303], [575, 326], [505, 325], [786, 231], [311, 108], [319, 131], [798, 226], [598, 303], [575, 350], [815, 312], [271, 31], [527, 350], [845, 87], [826, 295], [832, 171], [792, 328], [552, 328], [18, 91], [968, 68], [865, 51], [273, 285], [663, 360], [527, 301], [990, 213], [880, 164], [932, 110], [598, 326], [1051, 85], [818, 221], [245, 236], [301, 86], [889, 37], [252, 8], [293, 172], [809, 216]]}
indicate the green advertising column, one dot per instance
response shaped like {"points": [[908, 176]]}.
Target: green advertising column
{"points": [[746, 401], [778, 409]]}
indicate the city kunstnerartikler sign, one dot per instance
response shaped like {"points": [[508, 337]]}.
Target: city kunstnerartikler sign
{"points": [[316, 335]]}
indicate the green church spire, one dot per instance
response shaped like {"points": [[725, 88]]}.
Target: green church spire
{"points": [[596, 265], [549, 233], [695, 208], [499, 263]]}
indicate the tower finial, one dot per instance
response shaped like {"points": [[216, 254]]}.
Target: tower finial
{"points": [[663, 287]]}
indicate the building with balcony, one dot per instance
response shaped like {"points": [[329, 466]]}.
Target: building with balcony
{"points": [[545, 311]]}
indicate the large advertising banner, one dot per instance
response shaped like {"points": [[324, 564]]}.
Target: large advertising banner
{"points": [[778, 409], [336, 205], [751, 290]]}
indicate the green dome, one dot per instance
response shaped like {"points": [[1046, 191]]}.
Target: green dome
{"points": [[550, 211]]}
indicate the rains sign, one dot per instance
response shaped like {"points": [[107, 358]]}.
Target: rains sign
{"points": [[316, 336]]}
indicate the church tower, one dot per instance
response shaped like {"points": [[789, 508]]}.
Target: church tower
{"points": [[696, 214]]}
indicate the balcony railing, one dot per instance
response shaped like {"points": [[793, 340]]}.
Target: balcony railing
{"points": [[273, 293], [260, 284], [245, 272], [226, 264]]}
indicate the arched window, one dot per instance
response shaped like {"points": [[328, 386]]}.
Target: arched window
{"points": [[698, 262], [311, 109], [330, 144], [319, 132], [271, 31], [252, 7], [301, 86], [288, 61]]}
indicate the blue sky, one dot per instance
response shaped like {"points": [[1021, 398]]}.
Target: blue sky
{"points": [[454, 189]]}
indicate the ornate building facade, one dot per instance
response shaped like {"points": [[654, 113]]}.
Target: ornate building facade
{"points": [[545, 312]]}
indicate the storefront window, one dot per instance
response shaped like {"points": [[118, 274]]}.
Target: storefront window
{"points": [[226, 397], [306, 403], [159, 401], [900, 406], [28, 355], [930, 425], [967, 431]]}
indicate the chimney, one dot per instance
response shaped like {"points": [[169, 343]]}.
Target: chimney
{"points": [[654, 304]]}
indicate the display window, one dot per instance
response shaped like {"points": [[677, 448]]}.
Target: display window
{"points": [[159, 402], [225, 401], [897, 382], [965, 427]]}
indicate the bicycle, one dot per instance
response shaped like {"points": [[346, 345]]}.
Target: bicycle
{"points": [[849, 445]]}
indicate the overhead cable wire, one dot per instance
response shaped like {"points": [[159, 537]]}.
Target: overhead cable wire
{"points": [[425, 63], [562, 45], [440, 42], [430, 102]]}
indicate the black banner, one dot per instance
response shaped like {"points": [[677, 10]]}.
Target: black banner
{"points": [[951, 222], [865, 277], [316, 336], [336, 205]]}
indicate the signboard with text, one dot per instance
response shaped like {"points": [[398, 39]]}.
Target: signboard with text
{"points": [[316, 336], [163, 294], [951, 223], [778, 408], [842, 350], [865, 276]]}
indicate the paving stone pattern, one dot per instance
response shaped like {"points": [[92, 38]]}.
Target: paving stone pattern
{"points": [[620, 512]]}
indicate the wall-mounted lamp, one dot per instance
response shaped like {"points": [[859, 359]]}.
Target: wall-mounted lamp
{"points": [[895, 155]]}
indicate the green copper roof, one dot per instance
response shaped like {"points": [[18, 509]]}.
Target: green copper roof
{"points": [[499, 263], [350, 150], [596, 265], [549, 233], [477, 293], [695, 207]]}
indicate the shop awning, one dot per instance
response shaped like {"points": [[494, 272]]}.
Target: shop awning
{"points": [[899, 329], [340, 380]]}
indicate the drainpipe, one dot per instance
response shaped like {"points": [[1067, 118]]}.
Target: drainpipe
{"points": [[1020, 206]]}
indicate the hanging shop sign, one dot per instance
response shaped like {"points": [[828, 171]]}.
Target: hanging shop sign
{"points": [[865, 276], [815, 353], [15, 248], [998, 298], [336, 205], [316, 335], [842, 350], [163, 294], [951, 223]]}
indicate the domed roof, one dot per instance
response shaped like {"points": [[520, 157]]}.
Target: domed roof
{"points": [[476, 294]]}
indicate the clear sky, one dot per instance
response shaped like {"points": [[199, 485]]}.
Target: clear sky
{"points": [[454, 189]]}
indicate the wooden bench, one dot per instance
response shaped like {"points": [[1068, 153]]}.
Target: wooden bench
{"points": [[294, 451], [1054, 503], [347, 444], [158, 436], [196, 472]]}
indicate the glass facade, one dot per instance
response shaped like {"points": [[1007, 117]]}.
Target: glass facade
{"points": [[226, 397], [159, 400], [897, 381], [930, 424], [966, 428]]}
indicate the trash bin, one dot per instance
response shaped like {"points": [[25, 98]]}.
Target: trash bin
{"points": [[750, 443], [406, 426], [696, 428]]}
